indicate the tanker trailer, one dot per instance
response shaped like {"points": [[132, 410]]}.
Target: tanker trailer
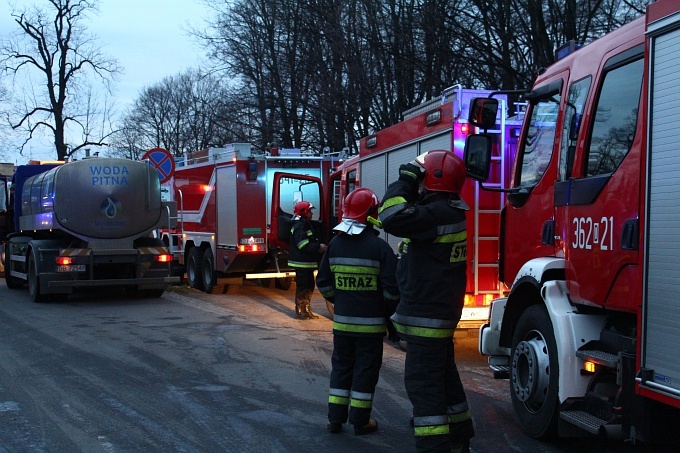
{"points": [[88, 224]]}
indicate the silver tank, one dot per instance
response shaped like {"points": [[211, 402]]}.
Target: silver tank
{"points": [[104, 198]]}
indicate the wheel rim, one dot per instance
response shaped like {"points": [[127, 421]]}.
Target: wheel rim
{"points": [[531, 371]]}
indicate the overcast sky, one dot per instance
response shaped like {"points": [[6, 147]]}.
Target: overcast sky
{"points": [[148, 38]]}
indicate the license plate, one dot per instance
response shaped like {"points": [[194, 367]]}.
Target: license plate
{"points": [[71, 268], [471, 313]]}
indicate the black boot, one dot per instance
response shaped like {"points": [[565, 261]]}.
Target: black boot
{"points": [[308, 311], [300, 311]]}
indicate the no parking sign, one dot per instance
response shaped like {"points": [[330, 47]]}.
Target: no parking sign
{"points": [[163, 162]]}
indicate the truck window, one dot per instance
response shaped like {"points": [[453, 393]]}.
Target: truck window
{"points": [[537, 148], [47, 198], [351, 181], [615, 118], [573, 115]]}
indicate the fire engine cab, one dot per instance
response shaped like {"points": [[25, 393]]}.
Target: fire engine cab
{"points": [[590, 240]]}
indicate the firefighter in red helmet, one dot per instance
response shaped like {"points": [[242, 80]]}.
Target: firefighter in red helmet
{"points": [[358, 275], [304, 255], [424, 207]]}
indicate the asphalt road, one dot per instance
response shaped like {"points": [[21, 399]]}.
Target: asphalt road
{"points": [[192, 372]]}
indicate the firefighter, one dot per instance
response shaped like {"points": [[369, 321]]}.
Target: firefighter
{"points": [[357, 275], [424, 207], [305, 252]]}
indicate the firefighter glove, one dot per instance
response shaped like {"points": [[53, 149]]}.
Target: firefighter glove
{"points": [[411, 173]]}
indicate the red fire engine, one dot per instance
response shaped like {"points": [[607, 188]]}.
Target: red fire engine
{"points": [[589, 240], [234, 204], [441, 124]]}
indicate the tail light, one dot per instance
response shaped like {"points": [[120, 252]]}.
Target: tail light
{"points": [[64, 260], [165, 258]]}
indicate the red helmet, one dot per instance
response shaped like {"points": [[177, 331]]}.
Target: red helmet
{"points": [[303, 208], [444, 171], [360, 204]]}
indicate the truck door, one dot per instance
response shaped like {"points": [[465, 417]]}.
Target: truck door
{"points": [[530, 211], [288, 189], [603, 195]]}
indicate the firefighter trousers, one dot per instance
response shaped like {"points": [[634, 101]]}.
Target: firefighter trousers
{"points": [[441, 417], [356, 363], [304, 288]]}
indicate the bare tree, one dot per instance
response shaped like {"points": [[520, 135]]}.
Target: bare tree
{"points": [[57, 58], [317, 73], [182, 113]]}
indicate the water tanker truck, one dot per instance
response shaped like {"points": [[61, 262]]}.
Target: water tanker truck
{"points": [[87, 224]]}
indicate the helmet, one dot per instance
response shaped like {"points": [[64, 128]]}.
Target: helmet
{"points": [[444, 171], [303, 208], [359, 204]]}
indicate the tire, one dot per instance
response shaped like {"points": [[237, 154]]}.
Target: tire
{"points": [[153, 293], [12, 282], [195, 269], [209, 275], [284, 283], [60, 297], [534, 374], [34, 281]]}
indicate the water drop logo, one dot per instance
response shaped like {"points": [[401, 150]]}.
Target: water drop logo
{"points": [[110, 207]]}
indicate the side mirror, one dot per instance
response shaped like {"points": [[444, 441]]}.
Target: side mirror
{"points": [[477, 156], [483, 112]]}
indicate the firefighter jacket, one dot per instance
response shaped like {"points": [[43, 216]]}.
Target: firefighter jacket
{"points": [[358, 275], [432, 268], [305, 240]]}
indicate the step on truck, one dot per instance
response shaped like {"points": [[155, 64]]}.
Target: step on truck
{"points": [[590, 238], [87, 224]]}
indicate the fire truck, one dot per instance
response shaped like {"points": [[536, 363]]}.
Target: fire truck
{"points": [[588, 334], [441, 123], [235, 205]]}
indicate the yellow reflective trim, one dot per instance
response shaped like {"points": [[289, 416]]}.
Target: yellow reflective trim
{"points": [[460, 417], [427, 332], [452, 237], [348, 269], [391, 202], [302, 265], [363, 404], [436, 430], [341, 400], [358, 328]]}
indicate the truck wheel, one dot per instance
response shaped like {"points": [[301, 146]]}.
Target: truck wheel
{"points": [[195, 269], [209, 276], [33, 281], [534, 374], [284, 283], [153, 293], [12, 282]]}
